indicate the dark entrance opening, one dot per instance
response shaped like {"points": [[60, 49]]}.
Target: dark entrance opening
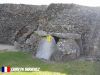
{"points": [[56, 39]]}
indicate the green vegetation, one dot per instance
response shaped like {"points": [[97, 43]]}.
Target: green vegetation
{"points": [[34, 73], [22, 59]]}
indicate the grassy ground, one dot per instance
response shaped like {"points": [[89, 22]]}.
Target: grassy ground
{"points": [[20, 59]]}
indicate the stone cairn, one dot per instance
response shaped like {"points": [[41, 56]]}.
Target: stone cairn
{"points": [[75, 28], [66, 46]]}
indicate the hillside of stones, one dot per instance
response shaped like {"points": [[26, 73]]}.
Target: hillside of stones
{"points": [[19, 22], [70, 18], [14, 16]]}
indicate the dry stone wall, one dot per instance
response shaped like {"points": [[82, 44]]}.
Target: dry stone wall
{"points": [[18, 23]]}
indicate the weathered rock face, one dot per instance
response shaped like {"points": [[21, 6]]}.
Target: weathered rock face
{"points": [[65, 21], [30, 44], [70, 18], [68, 46], [66, 35], [25, 39], [13, 17], [67, 50]]}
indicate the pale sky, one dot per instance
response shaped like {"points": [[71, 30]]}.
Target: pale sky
{"points": [[46, 2]]}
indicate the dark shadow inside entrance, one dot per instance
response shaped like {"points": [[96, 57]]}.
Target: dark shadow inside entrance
{"points": [[56, 39]]}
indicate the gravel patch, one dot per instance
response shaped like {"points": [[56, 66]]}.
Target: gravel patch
{"points": [[5, 47]]}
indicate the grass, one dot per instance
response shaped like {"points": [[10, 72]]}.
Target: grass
{"points": [[33, 73], [22, 59]]}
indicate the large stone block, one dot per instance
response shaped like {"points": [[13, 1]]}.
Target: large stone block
{"points": [[67, 50]]}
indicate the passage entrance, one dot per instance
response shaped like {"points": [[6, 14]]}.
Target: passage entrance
{"points": [[46, 47]]}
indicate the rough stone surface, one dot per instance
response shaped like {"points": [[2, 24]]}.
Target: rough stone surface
{"points": [[54, 18], [41, 33], [67, 50], [25, 39], [30, 44], [66, 35], [13, 17], [71, 18]]}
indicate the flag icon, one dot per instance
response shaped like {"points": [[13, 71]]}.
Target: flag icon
{"points": [[5, 69]]}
